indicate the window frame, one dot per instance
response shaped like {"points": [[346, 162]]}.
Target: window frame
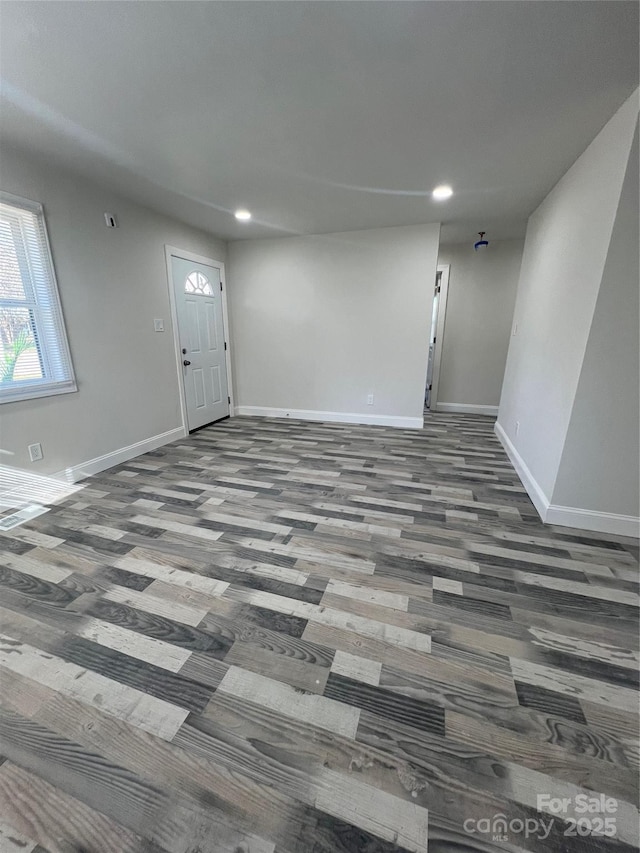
{"points": [[47, 386]]}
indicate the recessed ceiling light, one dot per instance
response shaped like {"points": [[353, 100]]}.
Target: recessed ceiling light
{"points": [[442, 192], [243, 215]]}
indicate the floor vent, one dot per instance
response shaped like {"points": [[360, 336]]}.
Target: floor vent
{"points": [[22, 515]]}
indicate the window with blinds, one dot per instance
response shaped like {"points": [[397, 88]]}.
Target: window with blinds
{"points": [[34, 354]]}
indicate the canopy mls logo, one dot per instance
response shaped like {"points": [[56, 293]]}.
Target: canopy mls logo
{"points": [[581, 815], [500, 828]]}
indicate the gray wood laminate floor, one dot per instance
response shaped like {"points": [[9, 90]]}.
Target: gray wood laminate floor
{"points": [[305, 638]]}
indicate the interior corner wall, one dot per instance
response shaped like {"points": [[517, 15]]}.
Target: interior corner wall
{"points": [[112, 283], [320, 322], [480, 304], [600, 465], [566, 246]]}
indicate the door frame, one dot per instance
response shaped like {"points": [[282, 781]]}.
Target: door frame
{"points": [[443, 269], [169, 253]]}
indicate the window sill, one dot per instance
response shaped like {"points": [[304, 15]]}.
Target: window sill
{"points": [[17, 395]]}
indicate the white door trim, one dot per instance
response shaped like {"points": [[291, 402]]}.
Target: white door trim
{"points": [[437, 355], [174, 251]]}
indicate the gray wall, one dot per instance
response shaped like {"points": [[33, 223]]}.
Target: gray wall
{"points": [[113, 283], [600, 468], [320, 322], [482, 296], [564, 256]]}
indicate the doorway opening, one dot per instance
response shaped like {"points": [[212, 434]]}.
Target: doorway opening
{"points": [[201, 335], [436, 337]]}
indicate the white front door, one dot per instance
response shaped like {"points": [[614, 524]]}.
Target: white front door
{"points": [[202, 346]]}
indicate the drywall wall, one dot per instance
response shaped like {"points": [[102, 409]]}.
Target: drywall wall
{"points": [[112, 283], [320, 322], [566, 246], [600, 468], [482, 296]]}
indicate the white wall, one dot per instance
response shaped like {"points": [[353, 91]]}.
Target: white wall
{"points": [[566, 247], [112, 283], [320, 322], [482, 296], [604, 427]]}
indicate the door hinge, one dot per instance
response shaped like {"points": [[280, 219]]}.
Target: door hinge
{"points": [[220, 285], [430, 387], [434, 340], [229, 400], [225, 346]]}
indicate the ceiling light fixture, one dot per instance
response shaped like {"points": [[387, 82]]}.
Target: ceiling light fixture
{"points": [[481, 243], [242, 215], [442, 192]]}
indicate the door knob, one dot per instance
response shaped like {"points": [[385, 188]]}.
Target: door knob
{"points": [[186, 363]]}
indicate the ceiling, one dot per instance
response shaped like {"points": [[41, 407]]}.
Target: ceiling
{"points": [[318, 116]]}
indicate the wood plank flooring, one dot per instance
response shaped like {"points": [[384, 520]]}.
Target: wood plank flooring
{"points": [[289, 637]]}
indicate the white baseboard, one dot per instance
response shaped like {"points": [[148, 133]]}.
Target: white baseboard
{"points": [[588, 519], [538, 497], [331, 417], [467, 409], [116, 457], [566, 516]]}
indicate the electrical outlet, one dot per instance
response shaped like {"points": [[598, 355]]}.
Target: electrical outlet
{"points": [[158, 325], [517, 427], [35, 452], [369, 399]]}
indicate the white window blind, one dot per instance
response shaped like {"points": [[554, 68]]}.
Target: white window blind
{"points": [[34, 354]]}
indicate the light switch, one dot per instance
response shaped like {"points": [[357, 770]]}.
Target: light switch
{"points": [[158, 325], [35, 452]]}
